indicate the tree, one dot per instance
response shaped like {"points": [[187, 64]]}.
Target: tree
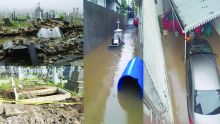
{"points": [[133, 5], [123, 7]]}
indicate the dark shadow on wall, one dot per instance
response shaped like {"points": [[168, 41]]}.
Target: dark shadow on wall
{"points": [[130, 84], [99, 23]]}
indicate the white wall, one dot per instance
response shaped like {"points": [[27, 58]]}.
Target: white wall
{"points": [[159, 6], [153, 56], [162, 6]]}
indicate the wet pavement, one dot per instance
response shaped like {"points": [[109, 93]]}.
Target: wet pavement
{"points": [[174, 56], [103, 68]]}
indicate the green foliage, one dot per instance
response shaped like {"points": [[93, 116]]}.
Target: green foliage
{"points": [[5, 86], [61, 17], [123, 7]]}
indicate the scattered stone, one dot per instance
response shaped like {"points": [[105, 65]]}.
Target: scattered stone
{"points": [[12, 110], [76, 122], [7, 45], [1, 108]]}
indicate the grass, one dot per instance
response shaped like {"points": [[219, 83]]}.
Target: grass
{"points": [[16, 24], [5, 86]]}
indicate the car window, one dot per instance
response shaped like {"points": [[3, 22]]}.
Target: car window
{"points": [[200, 48], [207, 102]]}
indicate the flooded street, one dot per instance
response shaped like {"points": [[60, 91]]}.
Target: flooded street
{"points": [[104, 66], [174, 56]]}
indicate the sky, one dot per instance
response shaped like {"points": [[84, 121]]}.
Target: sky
{"points": [[61, 5]]}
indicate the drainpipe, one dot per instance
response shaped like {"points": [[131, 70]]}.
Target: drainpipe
{"points": [[185, 48]]}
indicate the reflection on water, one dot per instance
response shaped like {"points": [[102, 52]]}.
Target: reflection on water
{"points": [[103, 68], [129, 99]]}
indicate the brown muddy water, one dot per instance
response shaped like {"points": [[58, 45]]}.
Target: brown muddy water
{"points": [[103, 68]]}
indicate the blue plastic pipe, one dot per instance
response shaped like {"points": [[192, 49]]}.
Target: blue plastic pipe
{"points": [[134, 69]]}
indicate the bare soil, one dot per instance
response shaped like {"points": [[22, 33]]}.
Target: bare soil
{"points": [[46, 114]]}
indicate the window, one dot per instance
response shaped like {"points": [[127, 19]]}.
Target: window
{"points": [[204, 106]]}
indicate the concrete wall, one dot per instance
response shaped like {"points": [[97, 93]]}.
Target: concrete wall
{"points": [[99, 2], [155, 78], [159, 6], [112, 6], [99, 24], [162, 6]]}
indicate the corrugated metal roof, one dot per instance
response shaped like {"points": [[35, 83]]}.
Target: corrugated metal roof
{"points": [[193, 13]]}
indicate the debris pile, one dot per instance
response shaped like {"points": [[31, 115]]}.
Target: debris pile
{"points": [[34, 27], [49, 50]]}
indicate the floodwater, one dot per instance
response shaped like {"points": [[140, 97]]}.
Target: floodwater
{"points": [[174, 56], [103, 68]]}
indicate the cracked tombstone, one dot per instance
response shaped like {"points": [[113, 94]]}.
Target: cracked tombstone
{"points": [[13, 83], [73, 83], [55, 77], [33, 54]]}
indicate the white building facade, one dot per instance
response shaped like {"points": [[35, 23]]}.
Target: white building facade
{"points": [[157, 98]]}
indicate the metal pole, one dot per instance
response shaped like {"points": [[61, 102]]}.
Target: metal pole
{"points": [[185, 48], [173, 22]]}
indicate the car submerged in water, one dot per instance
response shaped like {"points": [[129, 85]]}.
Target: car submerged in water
{"points": [[203, 83]]}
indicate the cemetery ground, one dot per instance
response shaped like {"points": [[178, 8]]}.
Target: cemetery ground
{"points": [[41, 41], [39, 100]]}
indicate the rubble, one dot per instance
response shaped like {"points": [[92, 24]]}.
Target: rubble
{"points": [[49, 50], [1, 108], [35, 26], [45, 113]]}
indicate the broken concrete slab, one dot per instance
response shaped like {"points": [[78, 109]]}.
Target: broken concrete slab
{"points": [[4, 81], [7, 45], [47, 90], [12, 110], [48, 99], [15, 109]]}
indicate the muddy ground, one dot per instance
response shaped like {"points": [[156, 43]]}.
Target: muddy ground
{"points": [[42, 114]]}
